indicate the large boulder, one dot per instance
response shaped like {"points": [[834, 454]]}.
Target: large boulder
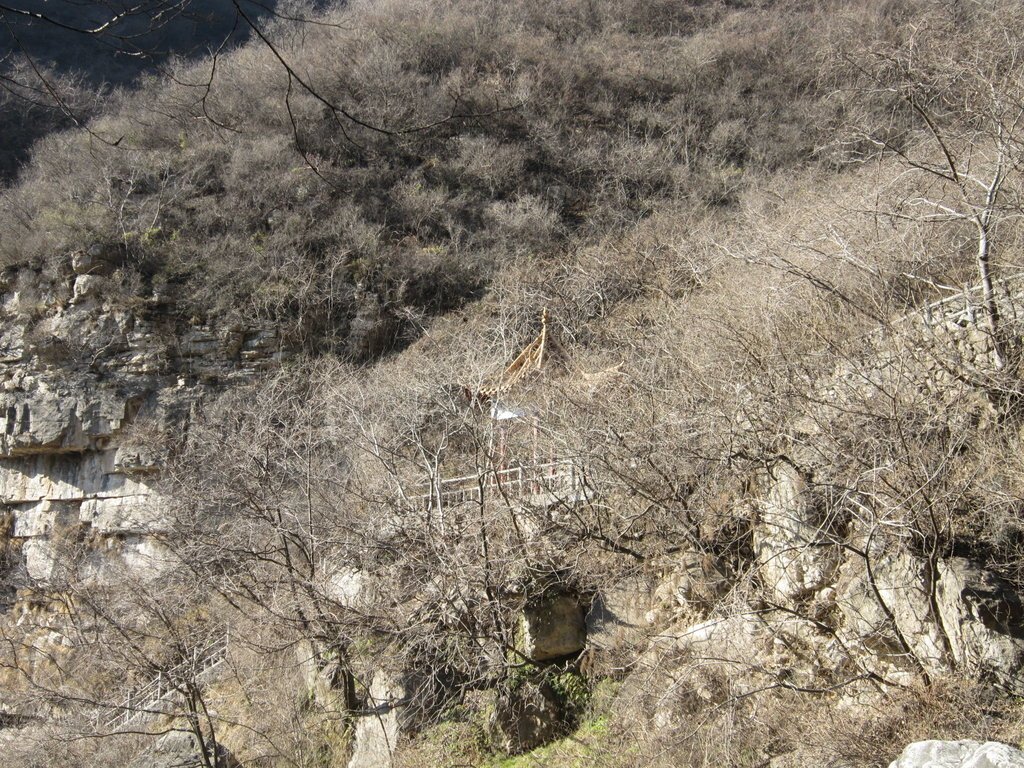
{"points": [[886, 610], [959, 754], [553, 627], [973, 623]]}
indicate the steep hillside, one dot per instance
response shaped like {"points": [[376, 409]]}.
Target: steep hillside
{"points": [[542, 384], [446, 141]]}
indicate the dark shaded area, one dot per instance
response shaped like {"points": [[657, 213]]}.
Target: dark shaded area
{"points": [[59, 59], [115, 42]]}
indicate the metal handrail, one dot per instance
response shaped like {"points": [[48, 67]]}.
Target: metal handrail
{"points": [[516, 482], [938, 309], [162, 688]]}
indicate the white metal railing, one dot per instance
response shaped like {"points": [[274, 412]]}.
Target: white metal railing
{"points": [[562, 477], [963, 307], [146, 700]]}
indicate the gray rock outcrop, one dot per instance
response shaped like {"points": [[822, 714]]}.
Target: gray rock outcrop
{"points": [[379, 728], [618, 617], [94, 382], [959, 754], [983, 620], [886, 610], [795, 555], [688, 668], [693, 582], [179, 749]]}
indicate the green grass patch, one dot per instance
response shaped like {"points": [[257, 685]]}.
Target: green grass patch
{"points": [[579, 749]]}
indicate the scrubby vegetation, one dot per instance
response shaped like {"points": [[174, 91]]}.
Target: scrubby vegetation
{"points": [[444, 143], [731, 211]]}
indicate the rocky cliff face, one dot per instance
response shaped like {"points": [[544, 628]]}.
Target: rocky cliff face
{"points": [[96, 380]]}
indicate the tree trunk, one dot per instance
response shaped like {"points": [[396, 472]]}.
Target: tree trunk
{"points": [[988, 294]]}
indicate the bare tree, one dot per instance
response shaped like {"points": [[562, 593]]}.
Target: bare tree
{"points": [[946, 102]]}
